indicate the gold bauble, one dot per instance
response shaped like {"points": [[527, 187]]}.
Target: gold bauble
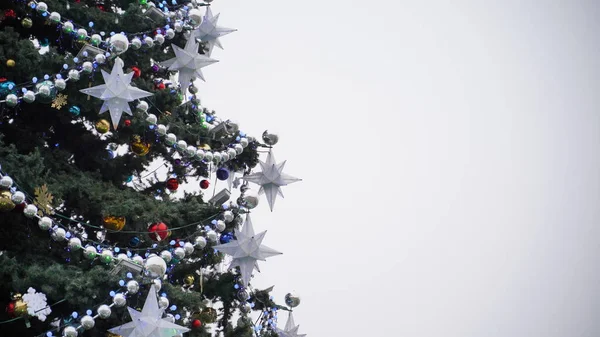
{"points": [[139, 147], [102, 126], [115, 223], [6, 203], [11, 63], [208, 315], [20, 307], [27, 23], [204, 147], [189, 280]]}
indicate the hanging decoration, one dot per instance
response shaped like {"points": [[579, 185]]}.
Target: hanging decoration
{"points": [[188, 62], [43, 200], [60, 101], [290, 329], [209, 32]]}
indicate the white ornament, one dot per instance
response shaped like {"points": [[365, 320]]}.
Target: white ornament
{"points": [[228, 216], [156, 284], [18, 197], [199, 154], [209, 32], [87, 322], [12, 100], [163, 302], [188, 62], [244, 142], [59, 234], [151, 119], [36, 304], [211, 236], [208, 156], [188, 247], [149, 42], [159, 38], [155, 266], [68, 27], [55, 17], [6, 182], [70, 331], [100, 58], [220, 226], [90, 252], [170, 33], [179, 252], [200, 242], [60, 84], [118, 44], [138, 260], [166, 255], [171, 139], [238, 148], [217, 157], [95, 39], [190, 151], [82, 34], [74, 243], [87, 67], [45, 223], [104, 311], [181, 145], [29, 96], [161, 129], [195, 16], [133, 286], [42, 7], [119, 300], [74, 75], [143, 106], [136, 43], [30, 211]]}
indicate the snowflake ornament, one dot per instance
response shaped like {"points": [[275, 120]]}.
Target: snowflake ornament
{"points": [[36, 304]]}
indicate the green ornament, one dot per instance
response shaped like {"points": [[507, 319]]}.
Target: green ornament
{"points": [[143, 2]]}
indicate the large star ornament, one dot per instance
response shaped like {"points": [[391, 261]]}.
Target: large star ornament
{"points": [[188, 62], [149, 322], [209, 32], [291, 329], [246, 250], [116, 92], [271, 179]]}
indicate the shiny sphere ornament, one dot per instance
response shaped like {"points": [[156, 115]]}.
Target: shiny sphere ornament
{"points": [[155, 266], [250, 200], [96, 39], [6, 182], [195, 16], [190, 151], [12, 100], [18, 197], [196, 323], [159, 38], [133, 287], [46, 91], [70, 331], [228, 216], [138, 260], [222, 173], [134, 241], [270, 138], [30, 211], [27, 23], [178, 26], [179, 252], [136, 43], [59, 234], [119, 300], [73, 75], [74, 244], [217, 158], [163, 302], [102, 126], [139, 147], [161, 129], [149, 42], [87, 322], [199, 154], [189, 280], [166, 256], [238, 148], [208, 156], [224, 156], [292, 300], [100, 58], [245, 308], [6, 203], [220, 226], [244, 142], [29, 96], [170, 139], [68, 27], [181, 145], [106, 256], [242, 295], [87, 67], [143, 107], [104, 311], [170, 33], [211, 236], [232, 153], [60, 84], [115, 223], [158, 231], [188, 247], [200, 242], [118, 44], [156, 284], [11, 63], [90, 252], [82, 34], [41, 7], [123, 257], [172, 184]]}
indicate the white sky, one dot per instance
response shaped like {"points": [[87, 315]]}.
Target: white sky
{"points": [[450, 157]]}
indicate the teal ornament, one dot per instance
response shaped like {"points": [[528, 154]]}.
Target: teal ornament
{"points": [[44, 42], [74, 110], [46, 91], [129, 179], [7, 88]]}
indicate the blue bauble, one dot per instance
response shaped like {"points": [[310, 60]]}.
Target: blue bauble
{"points": [[134, 242], [7, 88], [222, 173], [225, 238], [74, 110]]}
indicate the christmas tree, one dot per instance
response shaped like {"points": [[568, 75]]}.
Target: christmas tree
{"points": [[111, 221]]}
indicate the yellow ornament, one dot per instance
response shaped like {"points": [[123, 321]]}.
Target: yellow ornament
{"points": [[11, 63], [189, 280], [102, 126], [115, 223], [139, 147], [208, 315], [6, 204], [27, 23], [17, 308], [204, 147]]}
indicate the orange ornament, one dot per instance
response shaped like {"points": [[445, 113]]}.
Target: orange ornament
{"points": [[115, 223]]}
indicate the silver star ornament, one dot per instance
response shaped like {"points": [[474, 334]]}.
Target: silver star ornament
{"points": [[246, 250], [271, 179], [209, 32], [291, 329], [116, 92], [188, 62], [149, 322]]}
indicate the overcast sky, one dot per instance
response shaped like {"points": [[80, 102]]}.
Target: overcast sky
{"points": [[450, 157]]}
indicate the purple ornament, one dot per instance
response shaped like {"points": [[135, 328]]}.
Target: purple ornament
{"points": [[222, 173], [155, 68]]}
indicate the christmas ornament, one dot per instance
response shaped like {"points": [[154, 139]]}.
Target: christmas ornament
{"points": [[11, 63], [188, 62], [148, 322], [46, 91], [27, 23], [6, 203], [208, 315], [104, 311], [60, 101], [117, 91], [158, 231], [249, 200], [292, 300], [247, 250], [136, 72], [200, 242], [133, 286], [102, 126], [17, 307], [270, 138], [222, 173], [155, 266], [115, 223], [7, 87], [209, 32], [127, 122], [134, 241], [188, 280], [139, 147], [118, 44], [30, 211], [196, 323], [172, 184], [74, 110], [291, 329], [271, 179], [18, 197], [43, 200]]}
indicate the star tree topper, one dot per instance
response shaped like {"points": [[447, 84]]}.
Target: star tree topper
{"points": [[209, 32], [116, 92], [246, 250], [291, 329], [149, 322], [271, 179], [188, 62]]}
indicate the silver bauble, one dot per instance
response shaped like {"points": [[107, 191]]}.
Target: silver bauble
{"points": [[195, 16], [18, 197], [170, 33], [270, 138], [12, 100], [149, 42], [138, 260], [45, 223], [211, 235], [244, 141], [159, 38], [42, 7], [208, 156], [87, 67], [118, 44], [155, 266], [59, 234], [74, 244], [163, 302], [166, 255], [161, 129], [151, 119], [188, 247], [228, 216], [200, 242], [82, 34], [220, 226], [73, 75], [190, 151], [156, 284], [6, 182], [250, 199], [68, 27], [238, 148], [104, 311], [136, 43], [170, 318], [232, 153], [217, 157], [199, 154], [179, 252], [245, 308], [95, 39], [60, 84], [181, 145], [143, 107], [29, 96], [170, 139], [292, 300], [30, 211], [87, 322], [70, 331], [54, 17], [119, 300], [90, 252], [133, 286], [100, 58]]}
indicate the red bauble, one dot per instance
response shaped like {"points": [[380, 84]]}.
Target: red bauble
{"points": [[196, 323], [10, 309], [204, 184], [159, 86], [158, 231], [172, 184], [128, 122], [136, 72]]}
